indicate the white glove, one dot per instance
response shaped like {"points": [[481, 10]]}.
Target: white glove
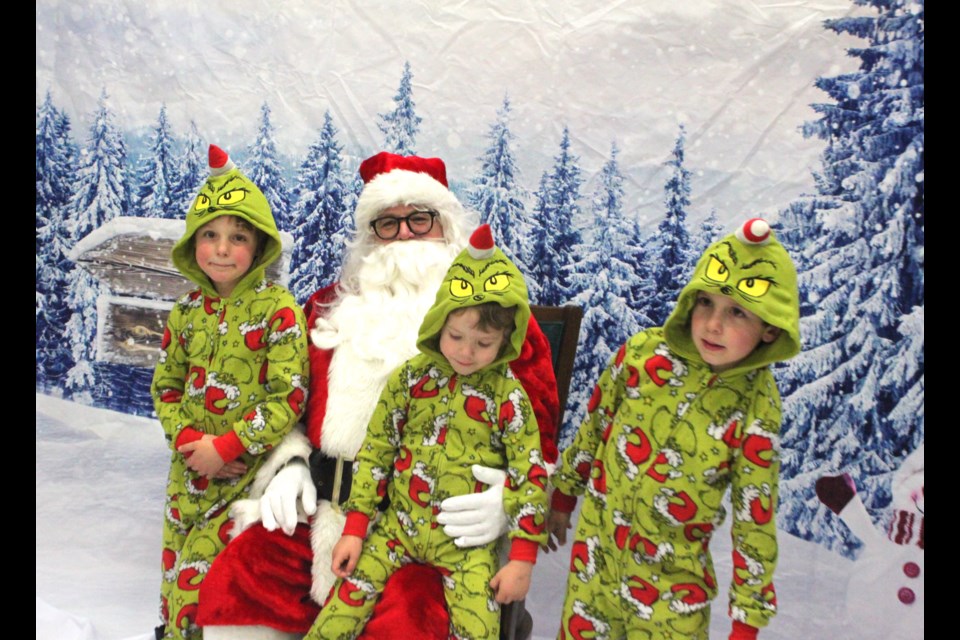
{"points": [[278, 505], [476, 518]]}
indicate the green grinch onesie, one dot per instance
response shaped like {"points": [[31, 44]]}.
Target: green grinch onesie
{"points": [[430, 427], [235, 368], [663, 440]]}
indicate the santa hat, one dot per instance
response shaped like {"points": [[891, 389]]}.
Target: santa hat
{"points": [[391, 180], [481, 245], [219, 160], [754, 231]]}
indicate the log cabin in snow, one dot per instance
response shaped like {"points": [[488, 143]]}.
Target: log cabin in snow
{"points": [[130, 258]]}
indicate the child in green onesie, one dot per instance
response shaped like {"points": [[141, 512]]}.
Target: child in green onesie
{"points": [[680, 413], [230, 382], [453, 406]]}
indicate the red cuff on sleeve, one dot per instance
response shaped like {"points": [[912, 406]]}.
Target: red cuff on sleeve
{"points": [[356, 524], [562, 502], [523, 549], [187, 434], [743, 631], [228, 446]]}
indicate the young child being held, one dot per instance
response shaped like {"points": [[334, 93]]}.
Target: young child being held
{"points": [[453, 406], [681, 413], [230, 382]]}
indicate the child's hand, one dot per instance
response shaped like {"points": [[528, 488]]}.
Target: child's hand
{"points": [[345, 555], [512, 581], [557, 524], [203, 456], [231, 470]]}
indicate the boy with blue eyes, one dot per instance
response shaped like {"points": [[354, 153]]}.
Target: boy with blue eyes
{"points": [[231, 380], [681, 413], [452, 407]]}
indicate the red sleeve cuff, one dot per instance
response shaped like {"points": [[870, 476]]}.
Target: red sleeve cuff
{"points": [[356, 524], [523, 549], [743, 631], [562, 502], [187, 434], [228, 446]]}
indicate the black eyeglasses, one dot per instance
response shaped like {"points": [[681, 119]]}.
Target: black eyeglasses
{"points": [[419, 223]]}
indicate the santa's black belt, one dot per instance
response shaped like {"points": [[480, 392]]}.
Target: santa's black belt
{"points": [[332, 477]]}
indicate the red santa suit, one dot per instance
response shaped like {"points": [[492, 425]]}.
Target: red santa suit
{"points": [[265, 580]]}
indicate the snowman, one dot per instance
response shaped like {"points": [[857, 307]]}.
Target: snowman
{"points": [[885, 593]]}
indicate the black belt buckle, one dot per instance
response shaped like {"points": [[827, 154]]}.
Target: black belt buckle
{"points": [[323, 472]]}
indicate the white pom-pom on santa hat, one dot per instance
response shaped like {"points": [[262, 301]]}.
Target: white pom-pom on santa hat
{"points": [[481, 243], [754, 231], [219, 161]]}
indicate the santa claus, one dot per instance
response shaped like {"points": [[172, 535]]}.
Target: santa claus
{"points": [[273, 576]]}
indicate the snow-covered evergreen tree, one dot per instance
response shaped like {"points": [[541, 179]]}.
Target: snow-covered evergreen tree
{"points": [[400, 126], [55, 169], [555, 251], [158, 174], [319, 213], [102, 192], [854, 399], [82, 381], [263, 169], [636, 256], [671, 247], [710, 231], [496, 193], [608, 319], [535, 253], [192, 171]]}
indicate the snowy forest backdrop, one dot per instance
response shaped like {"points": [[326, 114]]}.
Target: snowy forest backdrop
{"points": [[607, 147]]}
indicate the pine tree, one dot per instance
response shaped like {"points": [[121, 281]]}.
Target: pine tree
{"points": [[263, 169], [55, 169], [555, 252], [102, 192], [710, 231], [319, 215], [496, 193], [191, 171], [853, 400], [537, 253], [608, 318], [672, 246], [102, 195], [82, 380], [158, 174], [400, 126]]}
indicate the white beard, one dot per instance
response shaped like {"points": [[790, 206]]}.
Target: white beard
{"points": [[374, 331]]}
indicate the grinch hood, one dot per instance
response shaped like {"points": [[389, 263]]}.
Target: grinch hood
{"points": [[755, 270], [227, 193], [481, 273]]}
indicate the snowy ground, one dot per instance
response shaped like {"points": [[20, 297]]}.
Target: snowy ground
{"points": [[100, 478]]}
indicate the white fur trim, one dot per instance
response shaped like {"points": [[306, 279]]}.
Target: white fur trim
{"points": [[244, 513], [326, 531], [247, 633]]}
